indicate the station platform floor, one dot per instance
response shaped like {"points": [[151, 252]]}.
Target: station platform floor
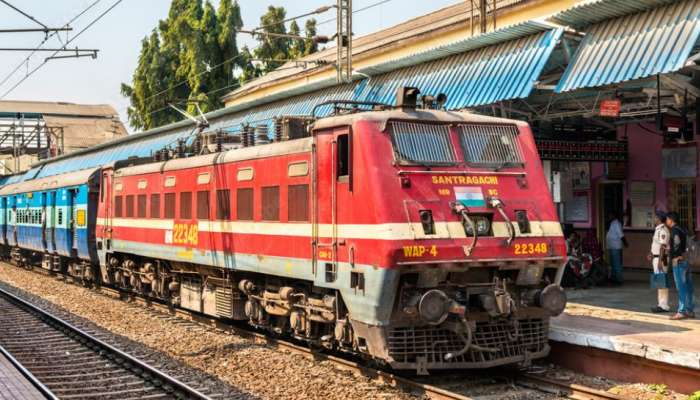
{"points": [[619, 319], [13, 385]]}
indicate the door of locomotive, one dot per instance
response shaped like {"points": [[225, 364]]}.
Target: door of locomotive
{"points": [[333, 158]]}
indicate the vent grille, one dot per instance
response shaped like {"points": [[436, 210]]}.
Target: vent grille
{"points": [[422, 143], [433, 343], [491, 145]]}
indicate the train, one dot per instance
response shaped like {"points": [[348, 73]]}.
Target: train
{"points": [[414, 237]]}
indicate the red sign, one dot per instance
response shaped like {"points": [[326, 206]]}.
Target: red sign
{"points": [[610, 108]]}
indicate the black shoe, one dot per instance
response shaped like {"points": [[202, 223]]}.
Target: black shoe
{"points": [[690, 314], [658, 309]]}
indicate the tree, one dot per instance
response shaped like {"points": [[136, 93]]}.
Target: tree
{"points": [[192, 52], [272, 48]]}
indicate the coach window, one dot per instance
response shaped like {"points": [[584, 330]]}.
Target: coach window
{"points": [[244, 204], [141, 206], [129, 205], [169, 211], [186, 205], [298, 203], [203, 204], [118, 206], [223, 204], [271, 203], [155, 205]]}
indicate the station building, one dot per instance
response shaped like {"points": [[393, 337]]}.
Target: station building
{"points": [[610, 88]]}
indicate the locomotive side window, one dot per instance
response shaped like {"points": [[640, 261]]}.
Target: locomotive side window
{"points": [[223, 204], [298, 203], [203, 204], [117, 206], [490, 145], [186, 205], [130, 206], [155, 205], [141, 206], [169, 211], [343, 160], [271, 203], [422, 144], [244, 204]]}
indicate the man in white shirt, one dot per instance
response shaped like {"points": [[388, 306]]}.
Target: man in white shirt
{"points": [[658, 258], [615, 240]]}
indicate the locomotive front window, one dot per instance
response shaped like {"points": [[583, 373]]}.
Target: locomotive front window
{"points": [[423, 144], [490, 145]]}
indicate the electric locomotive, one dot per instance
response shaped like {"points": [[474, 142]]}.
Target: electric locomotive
{"points": [[419, 238]]}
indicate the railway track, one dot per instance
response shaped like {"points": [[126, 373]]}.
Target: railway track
{"points": [[436, 388], [74, 364], [440, 388]]}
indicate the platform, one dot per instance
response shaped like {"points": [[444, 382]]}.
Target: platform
{"points": [[619, 320], [13, 385]]}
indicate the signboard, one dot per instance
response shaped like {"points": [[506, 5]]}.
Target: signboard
{"points": [[580, 175], [642, 193], [680, 162], [610, 108]]}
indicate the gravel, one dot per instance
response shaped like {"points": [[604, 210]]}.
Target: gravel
{"points": [[229, 365]]}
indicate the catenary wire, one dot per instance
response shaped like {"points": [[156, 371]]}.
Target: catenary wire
{"points": [[93, 22], [26, 59]]}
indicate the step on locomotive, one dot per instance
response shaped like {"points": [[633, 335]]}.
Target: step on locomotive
{"points": [[420, 238]]}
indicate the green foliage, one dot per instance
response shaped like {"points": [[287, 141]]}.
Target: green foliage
{"points": [[192, 56], [695, 396], [180, 62]]}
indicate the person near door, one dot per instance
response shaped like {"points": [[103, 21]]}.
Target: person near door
{"points": [[681, 269], [615, 240], [659, 263]]}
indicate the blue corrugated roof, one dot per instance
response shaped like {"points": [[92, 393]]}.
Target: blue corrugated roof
{"points": [[634, 46], [590, 12], [483, 75]]}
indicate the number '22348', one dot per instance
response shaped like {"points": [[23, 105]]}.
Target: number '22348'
{"points": [[530, 248]]}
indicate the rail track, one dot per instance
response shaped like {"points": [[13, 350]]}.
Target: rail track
{"points": [[443, 387], [439, 388], [73, 363]]}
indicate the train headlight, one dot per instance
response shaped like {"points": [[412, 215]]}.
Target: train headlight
{"points": [[434, 306], [553, 299], [482, 224]]}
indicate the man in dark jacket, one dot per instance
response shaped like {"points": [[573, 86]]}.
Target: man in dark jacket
{"points": [[681, 270]]}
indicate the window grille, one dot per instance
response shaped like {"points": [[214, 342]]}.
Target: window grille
{"points": [[203, 204], [422, 143], [141, 206], [298, 203], [490, 145], [186, 205], [169, 211], [155, 205], [117, 206], [223, 204], [244, 204], [271, 203], [130, 206], [683, 200]]}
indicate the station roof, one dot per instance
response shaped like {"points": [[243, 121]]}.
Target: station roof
{"points": [[57, 109], [472, 71]]}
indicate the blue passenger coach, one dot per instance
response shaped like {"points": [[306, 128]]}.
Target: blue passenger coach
{"points": [[52, 220]]}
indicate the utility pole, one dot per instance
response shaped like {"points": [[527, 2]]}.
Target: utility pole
{"points": [[344, 37]]}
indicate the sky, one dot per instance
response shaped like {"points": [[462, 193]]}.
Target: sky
{"points": [[118, 36]]}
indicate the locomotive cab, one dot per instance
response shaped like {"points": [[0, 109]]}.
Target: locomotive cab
{"points": [[443, 226]]}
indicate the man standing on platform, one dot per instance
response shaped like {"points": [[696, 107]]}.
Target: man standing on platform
{"points": [[659, 263], [615, 240], [681, 270]]}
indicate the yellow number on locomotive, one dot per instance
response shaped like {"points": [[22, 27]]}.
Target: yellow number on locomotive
{"points": [[186, 234], [530, 248]]}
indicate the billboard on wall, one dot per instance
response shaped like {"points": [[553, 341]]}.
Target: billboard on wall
{"points": [[680, 162]]}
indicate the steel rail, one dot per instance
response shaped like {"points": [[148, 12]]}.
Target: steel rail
{"points": [[54, 321], [46, 392], [530, 381], [572, 391]]}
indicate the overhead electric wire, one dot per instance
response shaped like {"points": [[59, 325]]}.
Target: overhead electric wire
{"points": [[367, 7], [45, 40], [93, 22], [319, 10], [23, 13]]}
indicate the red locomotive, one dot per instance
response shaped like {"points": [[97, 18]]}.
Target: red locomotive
{"points": [[420, 238]]}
